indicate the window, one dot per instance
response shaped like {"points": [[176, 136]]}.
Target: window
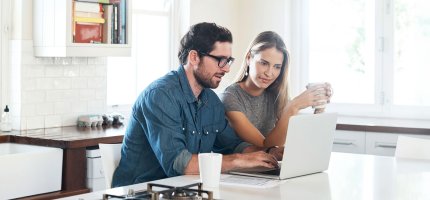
{"points": [[372, 52], [152, 55]]}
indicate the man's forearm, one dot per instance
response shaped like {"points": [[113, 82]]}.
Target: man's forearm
{"points": [[193, 165], [228, 164], [251, 157]]}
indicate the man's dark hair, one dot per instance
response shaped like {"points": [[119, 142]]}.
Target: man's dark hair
{"points": [[202, 37]]}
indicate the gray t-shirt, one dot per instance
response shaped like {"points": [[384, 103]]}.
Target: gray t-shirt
{"points": [[260, 110]]}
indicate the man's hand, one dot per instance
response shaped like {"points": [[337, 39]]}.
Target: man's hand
{"points": [[249, 160]]}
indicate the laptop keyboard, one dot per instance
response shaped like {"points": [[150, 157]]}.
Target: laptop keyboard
{"points": [[275, 172]]}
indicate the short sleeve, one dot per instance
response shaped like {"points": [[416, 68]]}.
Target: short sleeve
{"points": [[231, 101]]}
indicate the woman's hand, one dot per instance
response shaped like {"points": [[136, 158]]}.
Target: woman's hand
{"points": [[278, 152], [312, 96], [329, 91]]}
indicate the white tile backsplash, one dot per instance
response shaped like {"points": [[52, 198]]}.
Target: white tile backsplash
{"points": [[44, 61], [101, 69], [101, 94], [79, 107], [54, 71], [28, 110], [79, 61], [53, 92], [62, 61], [71, 71], [33, 71], [43, 109], [35, 122], [97, 82], [44, 84], [69, 120], [79, 83], [62, 83], [63, 107], [87, 94], [97, 61], [55, 95], [36, 96], [29, 84], [71, 95], [53, 121], [88, 70], [96, 106]]}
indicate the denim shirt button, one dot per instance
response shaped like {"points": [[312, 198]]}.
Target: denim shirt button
{"points": [[194, 132], [199, 133], [183, 128], [216, 130], [207, 132]]}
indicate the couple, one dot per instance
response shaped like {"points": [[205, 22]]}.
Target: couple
{"points": [[178, 116]]}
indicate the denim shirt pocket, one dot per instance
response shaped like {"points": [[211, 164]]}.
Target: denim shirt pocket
{"points": [[209, 135], [192, 138]]}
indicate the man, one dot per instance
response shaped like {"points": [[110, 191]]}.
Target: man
{"points": [[178, 116]]}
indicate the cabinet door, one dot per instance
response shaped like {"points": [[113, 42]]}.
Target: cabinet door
{"points": [[349, 141], [383, 144]]}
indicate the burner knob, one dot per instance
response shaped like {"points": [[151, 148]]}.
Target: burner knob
{"points": [[130, 193]]}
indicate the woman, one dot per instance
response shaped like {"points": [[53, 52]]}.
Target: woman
{"points": [[257, 105]]}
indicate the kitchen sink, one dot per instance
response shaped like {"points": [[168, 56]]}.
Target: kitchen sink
{"points": [[27, 170]]}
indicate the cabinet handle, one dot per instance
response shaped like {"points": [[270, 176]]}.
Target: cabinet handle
{"points": [[343, 143], [390, 146]]}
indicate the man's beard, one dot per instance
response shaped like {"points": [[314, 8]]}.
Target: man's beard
{"points": [[204, 79]]}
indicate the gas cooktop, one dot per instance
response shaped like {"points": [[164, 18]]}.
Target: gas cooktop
{"points": [[170, 192]]}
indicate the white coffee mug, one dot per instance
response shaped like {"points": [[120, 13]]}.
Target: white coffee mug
{"points": [[320, 87], [210, 169]]}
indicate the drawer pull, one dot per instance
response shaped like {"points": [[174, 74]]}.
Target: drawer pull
{"points": [[390, 146], [343, 143]]}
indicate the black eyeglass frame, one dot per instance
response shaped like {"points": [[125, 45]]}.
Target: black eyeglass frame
{"points": [[222, 61]]}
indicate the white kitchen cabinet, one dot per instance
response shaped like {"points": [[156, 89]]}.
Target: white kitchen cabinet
{"points": [[53, 36], [375, 143], [349, 141], [95, 174], [384, 144]]}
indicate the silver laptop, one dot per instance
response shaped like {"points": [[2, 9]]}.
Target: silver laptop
{"points": [[307, 147]]}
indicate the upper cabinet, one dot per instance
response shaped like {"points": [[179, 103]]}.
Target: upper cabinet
{"points": [[78, 28]]}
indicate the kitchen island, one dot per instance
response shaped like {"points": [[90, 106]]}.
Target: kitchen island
{"points": [[74, 141], [350, 176]]}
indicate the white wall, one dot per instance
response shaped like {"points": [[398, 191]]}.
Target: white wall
{"points": [[50, 92], [245, 19]]}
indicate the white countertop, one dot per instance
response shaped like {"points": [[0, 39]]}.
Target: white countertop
{"points": [[389, 122], [349, 177]]}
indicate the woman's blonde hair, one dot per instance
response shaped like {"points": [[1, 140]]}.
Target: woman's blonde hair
{"points": [[279, 87]]}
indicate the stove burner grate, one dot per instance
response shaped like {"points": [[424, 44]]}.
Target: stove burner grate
{"points": [[171, 193]]}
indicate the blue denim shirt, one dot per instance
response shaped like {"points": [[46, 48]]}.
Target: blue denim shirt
{"points": [[167, 125]]}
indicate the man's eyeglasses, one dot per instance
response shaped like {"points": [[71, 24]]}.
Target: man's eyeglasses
{"points": [[222, 61]]}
